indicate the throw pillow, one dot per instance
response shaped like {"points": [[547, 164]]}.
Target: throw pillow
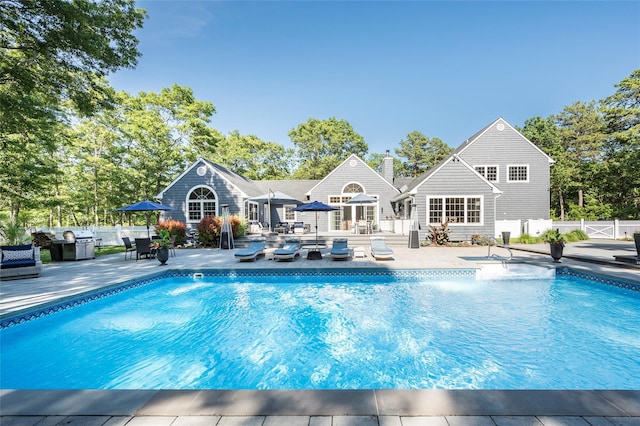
{"points": [[8, 255]]}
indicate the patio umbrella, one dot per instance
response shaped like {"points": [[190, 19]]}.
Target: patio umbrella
{"points": [[361, 199], [315, 206], [145, 206], [274, 197]]}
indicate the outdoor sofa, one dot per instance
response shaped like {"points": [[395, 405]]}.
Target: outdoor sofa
{"points": [[21, 261]]}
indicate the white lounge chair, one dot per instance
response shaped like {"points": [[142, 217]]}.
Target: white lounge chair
{"points": [[340, 249], [289, 250], [255, 249], [379, 249]]}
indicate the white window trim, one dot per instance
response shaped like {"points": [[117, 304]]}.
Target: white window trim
{"points": [[519, 165], [364, 191], [186, 203], [485, 167], [284, 213], [444, 205]]}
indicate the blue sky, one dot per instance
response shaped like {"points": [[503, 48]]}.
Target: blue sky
{"points": [[445, 69]]}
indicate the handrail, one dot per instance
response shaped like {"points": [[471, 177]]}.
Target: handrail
{"points": [[489, 255]]}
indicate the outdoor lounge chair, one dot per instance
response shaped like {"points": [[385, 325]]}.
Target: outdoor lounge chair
{"points": [[340, 249], [128, 247], [255, 249], [289, 250], [379, 249]]}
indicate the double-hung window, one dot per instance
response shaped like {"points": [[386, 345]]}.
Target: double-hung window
{"points": [[457, 210]]}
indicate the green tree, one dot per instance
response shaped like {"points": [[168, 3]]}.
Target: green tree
{"points": [[421, 153], [53, 52], [160, 130], [321, 145], [56, 48], [622, 147], [254, 158], [581, 135]]}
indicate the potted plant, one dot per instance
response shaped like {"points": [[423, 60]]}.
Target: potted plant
{"points": [[162, 246], [556, 243]]}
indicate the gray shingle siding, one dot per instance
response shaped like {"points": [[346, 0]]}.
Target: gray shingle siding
{"points": [[226, 193], [372, 182], [520, 200], [455, 179]]}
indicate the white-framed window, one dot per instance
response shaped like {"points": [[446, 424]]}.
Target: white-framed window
{"points": [[459, 210], [518, 173], [289, 214], [201, 202], [252, 210], [490, 173]]}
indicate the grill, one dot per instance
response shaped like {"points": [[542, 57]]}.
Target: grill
{"points": [[76, 245]]}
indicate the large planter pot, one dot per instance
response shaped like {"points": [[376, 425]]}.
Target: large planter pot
{"points": [[556, 251], [636, 238], [162, 254]]}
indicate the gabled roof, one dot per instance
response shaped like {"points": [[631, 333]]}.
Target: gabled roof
{"points": [[245, 185], [475, 137], [297, 189], [351, 157], [420, 180]]}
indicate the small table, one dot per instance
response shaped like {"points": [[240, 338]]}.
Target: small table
{"points": [[359, 252], [268, 253]]}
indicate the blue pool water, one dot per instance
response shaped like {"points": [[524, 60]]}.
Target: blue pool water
{"points": [[335, 331]]}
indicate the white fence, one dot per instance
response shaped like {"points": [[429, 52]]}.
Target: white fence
{"points": [[601, 229], [595, 229], [598, 229]]}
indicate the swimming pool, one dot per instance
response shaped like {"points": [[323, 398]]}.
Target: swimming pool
{"points": [[332, 330]]}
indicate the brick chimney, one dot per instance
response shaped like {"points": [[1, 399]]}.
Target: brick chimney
{"points": [[387, 167]]}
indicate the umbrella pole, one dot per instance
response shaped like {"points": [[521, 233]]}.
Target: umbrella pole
{"points": [[148, 234]]}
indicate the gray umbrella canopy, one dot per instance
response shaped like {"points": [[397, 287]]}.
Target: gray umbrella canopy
{"points": [[362, 199], [275, 197]]}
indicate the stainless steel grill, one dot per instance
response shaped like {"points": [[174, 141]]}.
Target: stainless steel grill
{"points": [[77, 245]]}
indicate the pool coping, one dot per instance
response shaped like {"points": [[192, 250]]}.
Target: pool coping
{"points": [[381, 402]]}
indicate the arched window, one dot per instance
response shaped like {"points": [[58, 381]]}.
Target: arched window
{"points": [[353, 188], [201, 202]]}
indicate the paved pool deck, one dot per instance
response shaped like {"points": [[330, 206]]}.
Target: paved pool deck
{"points": [[63, 280]]}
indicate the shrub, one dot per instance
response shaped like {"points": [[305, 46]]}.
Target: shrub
{"points": [[576, 235], [175, 227], [238, 226], [528, 239], [209, 230], [439, 235]]}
